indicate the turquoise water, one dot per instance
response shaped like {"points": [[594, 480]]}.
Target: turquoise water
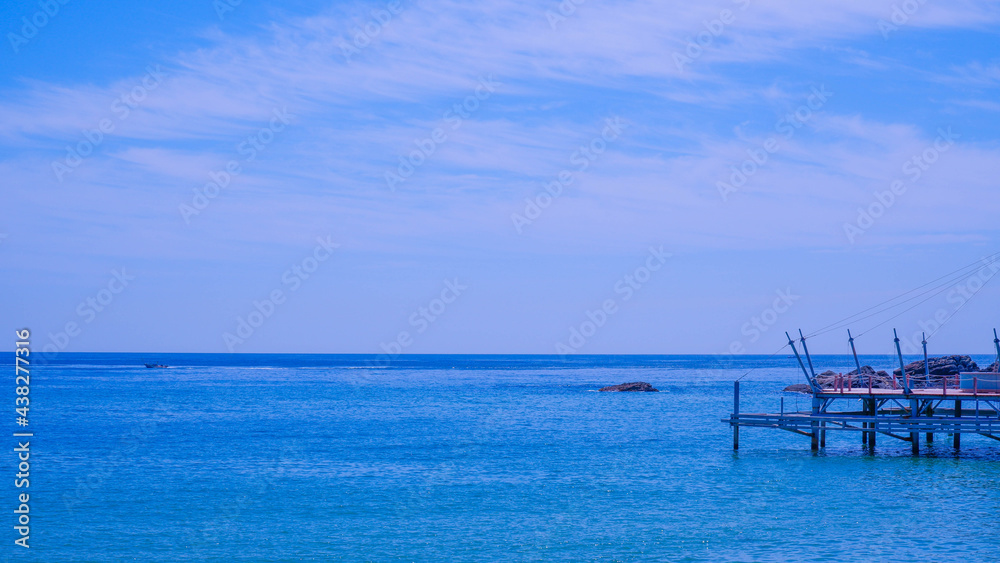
{"points": [[319, 458]]}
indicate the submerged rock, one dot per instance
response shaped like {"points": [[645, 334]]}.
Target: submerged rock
{"points": [[636, 387]]}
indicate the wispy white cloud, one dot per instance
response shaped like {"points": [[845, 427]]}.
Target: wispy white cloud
{"points": [[354, 119]]}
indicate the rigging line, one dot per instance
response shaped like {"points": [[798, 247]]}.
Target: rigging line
{"points": [[955, 312], [846, 321], [898, 315], [932, 292], [940, 289], [948, 275], [765, 359]]}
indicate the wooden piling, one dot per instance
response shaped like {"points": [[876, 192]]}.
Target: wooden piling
{"points": [[736, 413], [930, 435], [957, 439], [873, 410], [864, 434]]}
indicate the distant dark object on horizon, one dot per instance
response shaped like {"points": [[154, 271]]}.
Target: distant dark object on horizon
{"points": [[636, 387], [156, 366]]}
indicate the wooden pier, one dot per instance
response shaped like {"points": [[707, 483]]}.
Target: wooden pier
{"points": [[966, 403], [894, 413]]}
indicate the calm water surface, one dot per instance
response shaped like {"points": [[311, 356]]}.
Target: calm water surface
{"points": [[485, 458]]}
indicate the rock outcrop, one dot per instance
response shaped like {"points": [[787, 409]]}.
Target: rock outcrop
{"points": [[798, 388], [636, 387], [946, 365], [830, 379], [940, 368]]}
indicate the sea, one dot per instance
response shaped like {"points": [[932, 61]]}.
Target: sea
{"points": [[223, 457]]}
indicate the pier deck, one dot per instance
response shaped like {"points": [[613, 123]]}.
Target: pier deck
{"points": [[896, 413], [913, 405]]}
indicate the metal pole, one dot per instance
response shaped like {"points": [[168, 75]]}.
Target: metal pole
{"points": [[736, 415], [855, 352], [806, 350], [927, 364], [874, 425], [809, 380], [957, 440], [822, 432], [864, 410], [902, 367], [996, 342]]}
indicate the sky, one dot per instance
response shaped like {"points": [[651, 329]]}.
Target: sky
{"points": [[434, 176]]}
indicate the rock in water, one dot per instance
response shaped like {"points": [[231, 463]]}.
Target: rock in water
{"points": [[992, 368], [637, 387], [799, 388], [939, 368]]}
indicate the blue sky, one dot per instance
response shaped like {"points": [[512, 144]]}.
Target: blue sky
{"points": [[530, 153]]}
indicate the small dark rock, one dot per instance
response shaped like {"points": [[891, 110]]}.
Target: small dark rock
{"points": [[637, 387], [799, 388], [992, 368]]}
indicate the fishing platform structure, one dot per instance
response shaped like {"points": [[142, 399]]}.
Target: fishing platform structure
{"points": [[967, 403]]}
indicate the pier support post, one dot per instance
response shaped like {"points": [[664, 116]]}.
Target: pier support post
{"points": [[822, 435], [814, 437], [736, 413], [915, 436], [930, 435], [873, 410], [864, 433], [957, 440]]}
